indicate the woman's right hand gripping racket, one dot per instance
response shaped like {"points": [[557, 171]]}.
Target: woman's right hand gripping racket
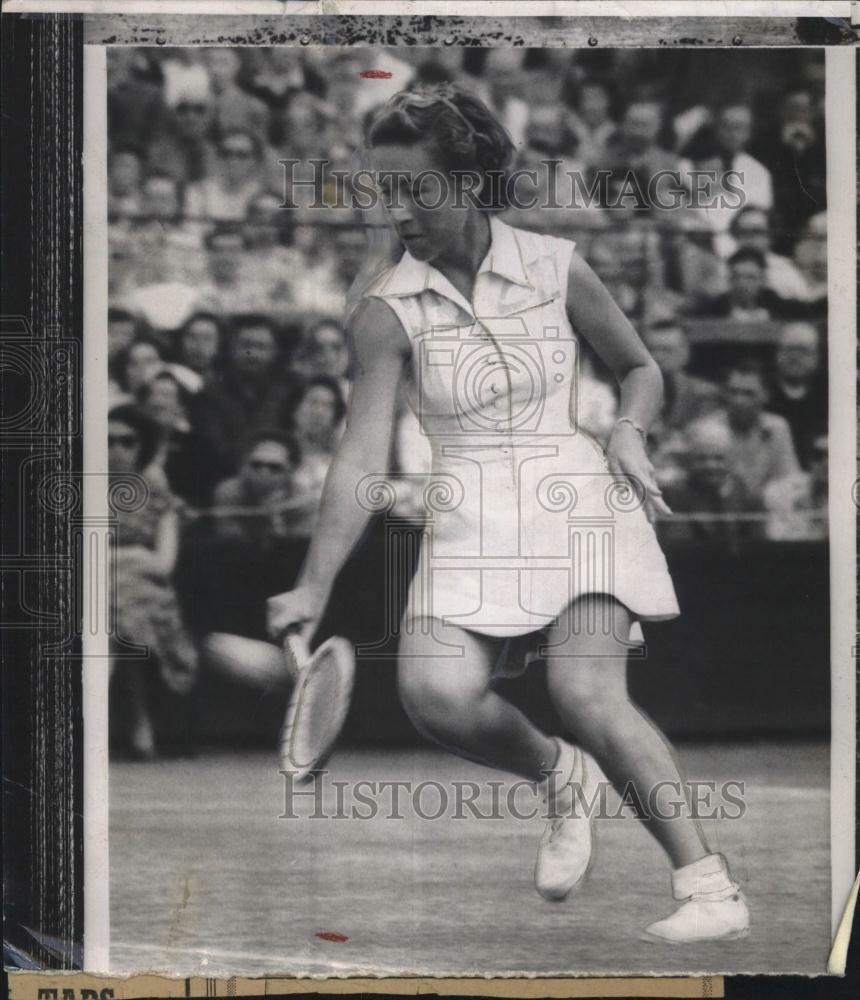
{"points": [[318, 704]]}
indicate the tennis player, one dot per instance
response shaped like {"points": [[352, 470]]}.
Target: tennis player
{"points": [[536, 534]]}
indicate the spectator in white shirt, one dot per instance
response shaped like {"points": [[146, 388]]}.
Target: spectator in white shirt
{"points": [[316, 285], [231, 289], [738, 180], [225, 197], [168, 248], [750, 227], [168, 254], [762, 449], [734, 131]]}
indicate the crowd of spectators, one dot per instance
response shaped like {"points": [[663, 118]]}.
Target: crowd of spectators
{"points": [[227, 349]]}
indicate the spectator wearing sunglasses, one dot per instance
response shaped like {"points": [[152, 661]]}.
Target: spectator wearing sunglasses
{"points": [[259, 489], [226, 195], [254, 551]]}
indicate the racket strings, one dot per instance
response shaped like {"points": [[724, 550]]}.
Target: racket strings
{"points": [[322, 708]]}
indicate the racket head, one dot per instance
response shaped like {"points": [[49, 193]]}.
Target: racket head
{"points": [[318, 707]]}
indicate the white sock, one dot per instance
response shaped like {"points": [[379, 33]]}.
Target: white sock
{"points": [[708, 878]]}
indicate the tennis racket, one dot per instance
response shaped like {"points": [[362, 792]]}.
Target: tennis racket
{"points": [[318, 704]]}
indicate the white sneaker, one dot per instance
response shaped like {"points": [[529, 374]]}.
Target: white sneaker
{"points": [[714, 909], [565, 848]]}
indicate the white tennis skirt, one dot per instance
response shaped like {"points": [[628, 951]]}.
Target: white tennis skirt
{"points": [[516, 534]]}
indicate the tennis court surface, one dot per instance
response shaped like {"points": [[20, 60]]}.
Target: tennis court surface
{"points": [[206, 877]]}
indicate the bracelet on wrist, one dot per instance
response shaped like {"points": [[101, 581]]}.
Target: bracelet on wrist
{"points": [[636, 427]]}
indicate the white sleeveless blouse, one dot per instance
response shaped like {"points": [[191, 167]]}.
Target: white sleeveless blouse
{"points": [[524, 515]]}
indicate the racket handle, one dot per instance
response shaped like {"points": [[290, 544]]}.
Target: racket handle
{"points": [[296, 652]]}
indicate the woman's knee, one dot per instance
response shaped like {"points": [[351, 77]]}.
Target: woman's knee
{"points": [[442, 676], [589, 701], [439, 703]]}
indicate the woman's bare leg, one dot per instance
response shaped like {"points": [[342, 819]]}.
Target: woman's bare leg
{"points": [[448, 697], [587, 677]]}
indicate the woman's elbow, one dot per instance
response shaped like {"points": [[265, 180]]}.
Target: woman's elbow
{"points": [[648, 378], [656, 376]]}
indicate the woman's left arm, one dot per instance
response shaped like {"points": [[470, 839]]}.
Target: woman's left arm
{"points": [[596, 316]]}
